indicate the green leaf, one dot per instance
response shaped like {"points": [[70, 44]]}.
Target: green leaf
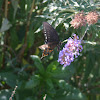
{"points": [[5, 94], [14, 38], [59, 72], [68, 92], [52, 66], [1, 2], [1, 59], [30, 38], [67, 11], [9, 77], [89, 67], [33, 82], [50, 83], [5, 25], [63, 85], [22, 94], [15, 6], [50, 87], [29, 98], [38, 63]]}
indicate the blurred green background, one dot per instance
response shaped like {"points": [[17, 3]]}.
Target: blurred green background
{"points": [[21, 33]]}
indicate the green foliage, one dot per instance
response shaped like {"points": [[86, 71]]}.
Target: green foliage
{"points": [[20, 58]]}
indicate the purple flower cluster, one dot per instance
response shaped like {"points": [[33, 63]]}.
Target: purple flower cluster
{"points": [[70, 51]]}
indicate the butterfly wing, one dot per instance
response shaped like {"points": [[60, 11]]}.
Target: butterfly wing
{"points": [[47, 49], [50, 33], [51, 39]]}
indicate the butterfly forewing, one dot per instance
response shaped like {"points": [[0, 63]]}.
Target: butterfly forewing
{"points": [[50, 33]]}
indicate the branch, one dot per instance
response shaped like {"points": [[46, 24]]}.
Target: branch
{"points": [[6, 46], [6, 8], [85, 32], [6, 36], [21, 53]]}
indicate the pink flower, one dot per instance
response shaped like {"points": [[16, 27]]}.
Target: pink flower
{"points": [[92, 17], [78, 21]]}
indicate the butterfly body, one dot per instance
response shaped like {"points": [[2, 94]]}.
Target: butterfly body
{"points": [[51, 39]]}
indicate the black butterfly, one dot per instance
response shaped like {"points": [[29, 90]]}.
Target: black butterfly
{"points": [[51, 39]]}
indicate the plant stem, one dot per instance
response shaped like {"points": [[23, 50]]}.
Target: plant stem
{"points": [[6, 7], [13, 92], [85, 32], [65, 41], [5, 36]]}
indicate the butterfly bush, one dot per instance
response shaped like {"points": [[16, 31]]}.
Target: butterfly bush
{"points": [[70, 51]]}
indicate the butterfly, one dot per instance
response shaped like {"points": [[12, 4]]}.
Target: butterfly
{"points": [[51, 39]]}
